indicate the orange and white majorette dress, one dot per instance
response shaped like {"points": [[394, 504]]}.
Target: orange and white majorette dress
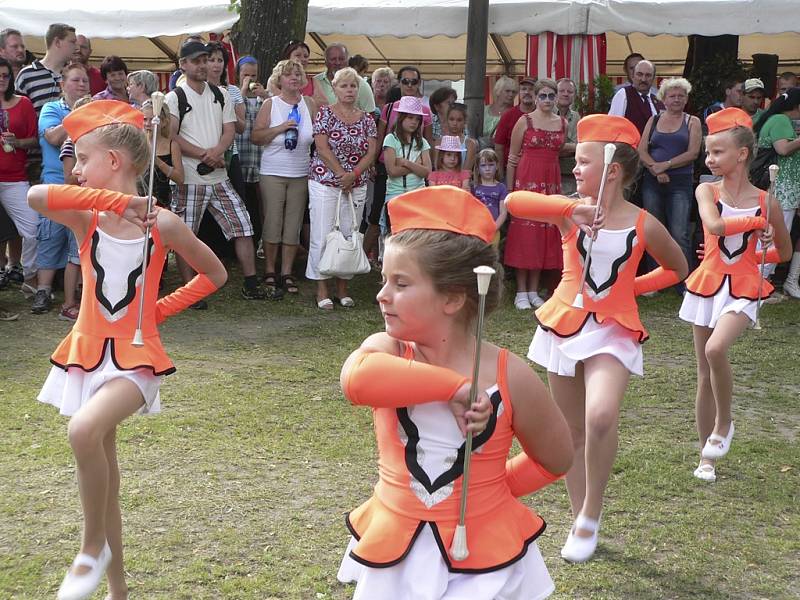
{"points": [[727, 279], [98, 348], [402, 535], [609, 321]]}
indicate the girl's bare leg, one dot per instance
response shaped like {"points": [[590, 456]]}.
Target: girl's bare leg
{"points": [[113, 403]]}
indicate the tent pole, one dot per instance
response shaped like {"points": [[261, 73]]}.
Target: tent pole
{"points": [[477, 33]]}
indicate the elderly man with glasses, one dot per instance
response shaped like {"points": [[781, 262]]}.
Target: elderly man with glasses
{"points": [[335, 59]]}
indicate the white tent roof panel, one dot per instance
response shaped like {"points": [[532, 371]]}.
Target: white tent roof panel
{"points": [[427, 18]]}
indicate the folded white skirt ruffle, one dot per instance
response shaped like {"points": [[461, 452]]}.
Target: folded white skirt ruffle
{"points": [[705, 312], [423, 575], [69, 390], [559, 355]]}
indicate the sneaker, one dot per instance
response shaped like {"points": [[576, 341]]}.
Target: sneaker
{"points": [[69, 313], [199, 305], [3, 278], [41, 302], [15, 274], [521, 301], [535, 299], [8, 316]]}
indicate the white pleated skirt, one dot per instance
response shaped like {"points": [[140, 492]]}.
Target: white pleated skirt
{"points": [[423, 575], [559, 355], [69, 390], [705, 312]]}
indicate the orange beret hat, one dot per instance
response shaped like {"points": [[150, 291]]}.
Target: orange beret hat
{"points": [[442, 207], [99, 113], [728, 118], [608, 128]]}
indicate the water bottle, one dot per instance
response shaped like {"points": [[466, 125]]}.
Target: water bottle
{"points": [[290, 137]]}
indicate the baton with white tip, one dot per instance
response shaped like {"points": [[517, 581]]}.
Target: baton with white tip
{"points": [[157, 99], [608, 156], [459, 550], [773, 175]]}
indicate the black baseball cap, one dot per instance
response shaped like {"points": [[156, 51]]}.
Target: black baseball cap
{"points": [[193, 49]]}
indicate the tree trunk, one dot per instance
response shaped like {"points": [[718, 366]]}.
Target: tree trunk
{"points": [[265, 27]]}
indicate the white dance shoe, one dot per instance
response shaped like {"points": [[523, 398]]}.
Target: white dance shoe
{"points": [[706, 472], [715, 451], [79, 587], [580, 549]]}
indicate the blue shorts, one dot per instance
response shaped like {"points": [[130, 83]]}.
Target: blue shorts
{"points": [[57, 245]]}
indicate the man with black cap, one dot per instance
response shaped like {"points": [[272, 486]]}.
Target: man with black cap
{"points": [[203, 124]]}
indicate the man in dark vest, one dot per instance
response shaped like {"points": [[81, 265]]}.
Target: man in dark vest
{"points": [[636, 102]]}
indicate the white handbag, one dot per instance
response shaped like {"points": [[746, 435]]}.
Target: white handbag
{"points": [[344, 257]]}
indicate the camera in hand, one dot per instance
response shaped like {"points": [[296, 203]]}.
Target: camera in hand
{"points": [[291, 135], [204, 169]]}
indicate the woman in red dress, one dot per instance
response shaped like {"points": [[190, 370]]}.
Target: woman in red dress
{"points": [[533, 165]]}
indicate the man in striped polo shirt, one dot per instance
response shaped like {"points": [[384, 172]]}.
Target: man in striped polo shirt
{"points": [[40, 81]]}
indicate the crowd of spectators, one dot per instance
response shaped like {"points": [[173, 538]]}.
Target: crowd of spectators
{"points": [[269, 161]]}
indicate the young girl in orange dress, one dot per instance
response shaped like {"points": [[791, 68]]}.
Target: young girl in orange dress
{"points": [[721, 294], [415, 377], [99, 378], [590, 352]]}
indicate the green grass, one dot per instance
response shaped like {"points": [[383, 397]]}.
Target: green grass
{"points": [[237, 490]]}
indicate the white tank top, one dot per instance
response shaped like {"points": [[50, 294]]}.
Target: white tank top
{"points": [[276, 159]]}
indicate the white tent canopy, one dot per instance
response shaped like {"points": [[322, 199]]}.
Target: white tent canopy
{"points": [[146, 34], [427, 18], [435, 30]]}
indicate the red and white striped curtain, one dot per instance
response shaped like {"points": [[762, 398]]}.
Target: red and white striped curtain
{"points": [[579, 57]]}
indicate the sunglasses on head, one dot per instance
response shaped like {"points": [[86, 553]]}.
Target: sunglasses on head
{"points": [[550, 96], [406, 81]]}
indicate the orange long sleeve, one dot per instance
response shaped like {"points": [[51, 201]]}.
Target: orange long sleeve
{"points": [[384, 381], [532, 205], [734, 225], [73, 197], [525, 476], [198, 288]]}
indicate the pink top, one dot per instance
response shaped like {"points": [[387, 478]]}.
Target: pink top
{"points": [[455, 178]]}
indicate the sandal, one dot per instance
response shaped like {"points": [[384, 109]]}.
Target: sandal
{"points": [[325, 304], [270, 279], [347, 302], [289, 284]]}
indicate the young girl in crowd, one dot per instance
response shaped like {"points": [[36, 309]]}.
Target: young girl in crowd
{"points": [[456, 126], [449, 164], [723, 291], [415, 376], [99, 378], [169, 163], [590, 352], [489, 189], [406, 153]]}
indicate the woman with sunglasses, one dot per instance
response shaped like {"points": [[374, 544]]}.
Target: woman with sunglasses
{"points": [[536, 141], [410, 82]]}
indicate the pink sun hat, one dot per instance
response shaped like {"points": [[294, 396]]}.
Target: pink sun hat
{"points": [[410, 105], [450, 143]]}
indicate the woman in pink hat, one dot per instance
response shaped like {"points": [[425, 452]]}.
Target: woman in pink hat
{"points": [[449, 164], [533, 165]]}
